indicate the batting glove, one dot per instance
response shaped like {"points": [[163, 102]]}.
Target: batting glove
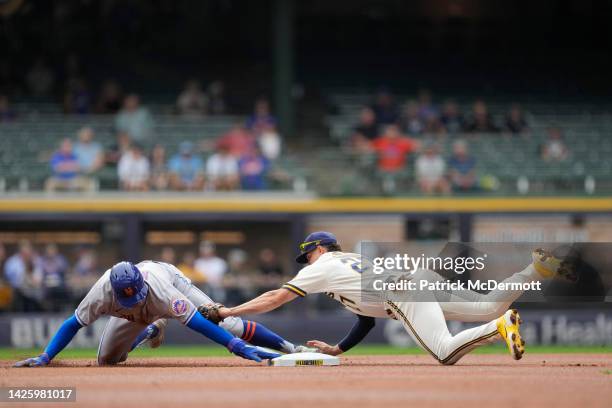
{"points": [[242, 349], [39, 361]]}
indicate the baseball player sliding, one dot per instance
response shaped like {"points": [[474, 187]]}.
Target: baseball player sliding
{"points": [[338, 274], [139, 295]]}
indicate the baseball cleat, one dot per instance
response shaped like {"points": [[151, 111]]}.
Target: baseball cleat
{"points": [[508, 327], [550, 266], [305, 349]]}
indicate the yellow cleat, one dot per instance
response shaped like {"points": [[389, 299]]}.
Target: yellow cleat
{"points": [[508, 327], [550, 266]]}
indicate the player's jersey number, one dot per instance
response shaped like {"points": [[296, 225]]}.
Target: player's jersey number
{"points": [[345, 301], [354, 263]]}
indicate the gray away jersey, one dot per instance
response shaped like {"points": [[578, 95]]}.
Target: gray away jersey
{"points": [[164, 299]]}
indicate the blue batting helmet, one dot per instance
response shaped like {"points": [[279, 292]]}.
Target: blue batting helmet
{"points": [[312, 241], [128, 284]]}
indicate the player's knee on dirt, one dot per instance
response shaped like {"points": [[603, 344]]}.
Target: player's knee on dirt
{"points": [[233, 325], [106, 359]]}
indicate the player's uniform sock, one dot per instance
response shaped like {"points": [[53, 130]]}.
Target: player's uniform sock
{"points": [[259, 335]]}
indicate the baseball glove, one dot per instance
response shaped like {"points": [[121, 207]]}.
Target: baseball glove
{"points": [[211, 312]]}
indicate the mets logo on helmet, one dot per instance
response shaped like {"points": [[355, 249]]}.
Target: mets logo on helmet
{"points": [[179, 307]]}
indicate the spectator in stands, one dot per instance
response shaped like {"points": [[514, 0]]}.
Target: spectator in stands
{"points": [[451, 117], [385, 108], [269, 143], [431, 171], [217, 104], [365, 131], [192, 101], [54, 268], [187, 266], [261, 119], [77, 97], [186, 169], [134, 119], [462, 168], [238, 281], [84, 273], [433, 126], [23, 273], [410, 121], [238, 139], [271, 272], [159, 168], [134, 170], [392, 149], [516, 123], [40, 79], [481, 120], [426, 107], [122, 145], [269, 265], [222, 170], [212, 269], [66, 170], [110, 98], [86, 264], [6, 293], [253, 167], [88, 152], [168, 255], [7, 114], [554, 148]]}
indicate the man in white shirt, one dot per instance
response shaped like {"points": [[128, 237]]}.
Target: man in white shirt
{"points": [[134, 170], [431, 171], [212, 268], [222, 169]]}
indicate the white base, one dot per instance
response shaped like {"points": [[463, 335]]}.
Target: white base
{"points": [[304, 359]]}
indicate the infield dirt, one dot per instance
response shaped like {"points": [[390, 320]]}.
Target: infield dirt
{"points": [[538, 380]]}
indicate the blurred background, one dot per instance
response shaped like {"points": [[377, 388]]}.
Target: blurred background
{"points": [[216, 134]]}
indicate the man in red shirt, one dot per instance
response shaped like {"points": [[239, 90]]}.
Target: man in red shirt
{"points": [[392, 149]]}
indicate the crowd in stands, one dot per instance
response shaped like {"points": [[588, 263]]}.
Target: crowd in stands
{"points": [[43, 279], [400, 136], [406, 135], [241, 158]]}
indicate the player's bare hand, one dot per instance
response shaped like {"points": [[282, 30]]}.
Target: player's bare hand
{"points": [[223, 312], [324, 348]]}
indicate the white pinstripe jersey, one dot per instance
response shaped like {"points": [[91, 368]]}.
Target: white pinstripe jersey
{"points": [[337, 274]]}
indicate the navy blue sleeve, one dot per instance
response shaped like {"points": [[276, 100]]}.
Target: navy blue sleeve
{"points": [[359, 330], [64, 335], [210, 330]]}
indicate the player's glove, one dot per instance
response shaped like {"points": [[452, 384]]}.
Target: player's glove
{"points": [[39, 361], [211, 312], [242, 349]]}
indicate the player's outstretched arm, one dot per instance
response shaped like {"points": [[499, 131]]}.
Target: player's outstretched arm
{"points": [[60, 340], [223, 337], [261, 304], [358, 332]]}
